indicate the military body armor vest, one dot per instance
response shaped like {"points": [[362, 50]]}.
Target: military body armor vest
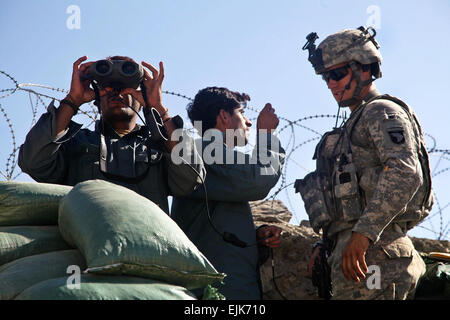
{"points": [[333, 192]]}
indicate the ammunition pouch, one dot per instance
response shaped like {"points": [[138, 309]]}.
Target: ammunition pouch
{"points": [[347, 195], [317, 199]]}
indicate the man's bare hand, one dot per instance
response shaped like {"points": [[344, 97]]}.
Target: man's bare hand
{"points": [[80, 92], [267, 118], [153, 86], [271, 235], [353, 257]]}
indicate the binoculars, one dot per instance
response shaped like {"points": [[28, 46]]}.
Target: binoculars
{"points": [[115, 74]]}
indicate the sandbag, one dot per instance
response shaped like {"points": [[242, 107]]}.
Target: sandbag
{"points": [[29, 203], [21, 241], [435, 283], [120, 232], [101, 287], [23, 273]]}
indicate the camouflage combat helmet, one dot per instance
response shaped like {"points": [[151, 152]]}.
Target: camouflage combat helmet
{"points": [[352, 46], [344, 46]]}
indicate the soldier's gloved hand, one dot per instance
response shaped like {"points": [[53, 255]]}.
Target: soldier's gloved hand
{"points": [[353, 257]]}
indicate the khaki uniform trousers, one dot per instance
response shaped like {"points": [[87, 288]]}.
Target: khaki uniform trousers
{"points": [[394, 268]]}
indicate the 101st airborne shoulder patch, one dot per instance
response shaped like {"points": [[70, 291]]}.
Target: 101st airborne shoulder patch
{"points": [[394, 127]]}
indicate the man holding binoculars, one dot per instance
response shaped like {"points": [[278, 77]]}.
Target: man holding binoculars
{"points": [[57, 150]]}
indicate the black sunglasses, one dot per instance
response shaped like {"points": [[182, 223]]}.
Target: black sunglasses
{"points": [[335, 74]]}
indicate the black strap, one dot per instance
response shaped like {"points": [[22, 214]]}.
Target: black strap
{"points": [[153, 118], [103, 153], [70, 104], [112, 176]]}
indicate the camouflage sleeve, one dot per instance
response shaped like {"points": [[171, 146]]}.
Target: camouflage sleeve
{"points": [[389, 128]]}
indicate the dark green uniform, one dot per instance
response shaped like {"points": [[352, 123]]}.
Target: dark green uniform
{"points": [[74, 157], [229, 188]]}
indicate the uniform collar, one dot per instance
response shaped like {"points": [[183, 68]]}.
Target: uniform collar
{"points": [[109, 130], [373, 92]]}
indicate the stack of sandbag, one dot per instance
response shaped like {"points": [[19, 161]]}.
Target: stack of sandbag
{"points": [[126, 246], [31, 246]]}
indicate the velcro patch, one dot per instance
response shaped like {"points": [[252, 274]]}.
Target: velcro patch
{"points": [[397, 136]]}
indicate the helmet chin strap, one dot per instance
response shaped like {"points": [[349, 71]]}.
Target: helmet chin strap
{"points": [[342, 103], [356, 98]]}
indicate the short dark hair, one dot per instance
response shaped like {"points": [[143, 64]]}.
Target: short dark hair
{"points": [[120, 58], [209, 101]]}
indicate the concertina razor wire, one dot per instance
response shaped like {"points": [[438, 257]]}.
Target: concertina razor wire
{"points": [[90, 111]]}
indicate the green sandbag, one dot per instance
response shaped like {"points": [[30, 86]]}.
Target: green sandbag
{"points": [[23, 273], [101, 287], [120, 232], [435, 283], [29, 203], [23, 241]]}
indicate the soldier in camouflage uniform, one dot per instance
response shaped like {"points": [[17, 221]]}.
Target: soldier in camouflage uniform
{"points": [[372, 182]]}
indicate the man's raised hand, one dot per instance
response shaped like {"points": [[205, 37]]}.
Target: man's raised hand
{"points": [[267, 118], [80, 92]]}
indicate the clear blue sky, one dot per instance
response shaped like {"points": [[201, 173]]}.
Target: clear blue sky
{"points": [[246, 45]]}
